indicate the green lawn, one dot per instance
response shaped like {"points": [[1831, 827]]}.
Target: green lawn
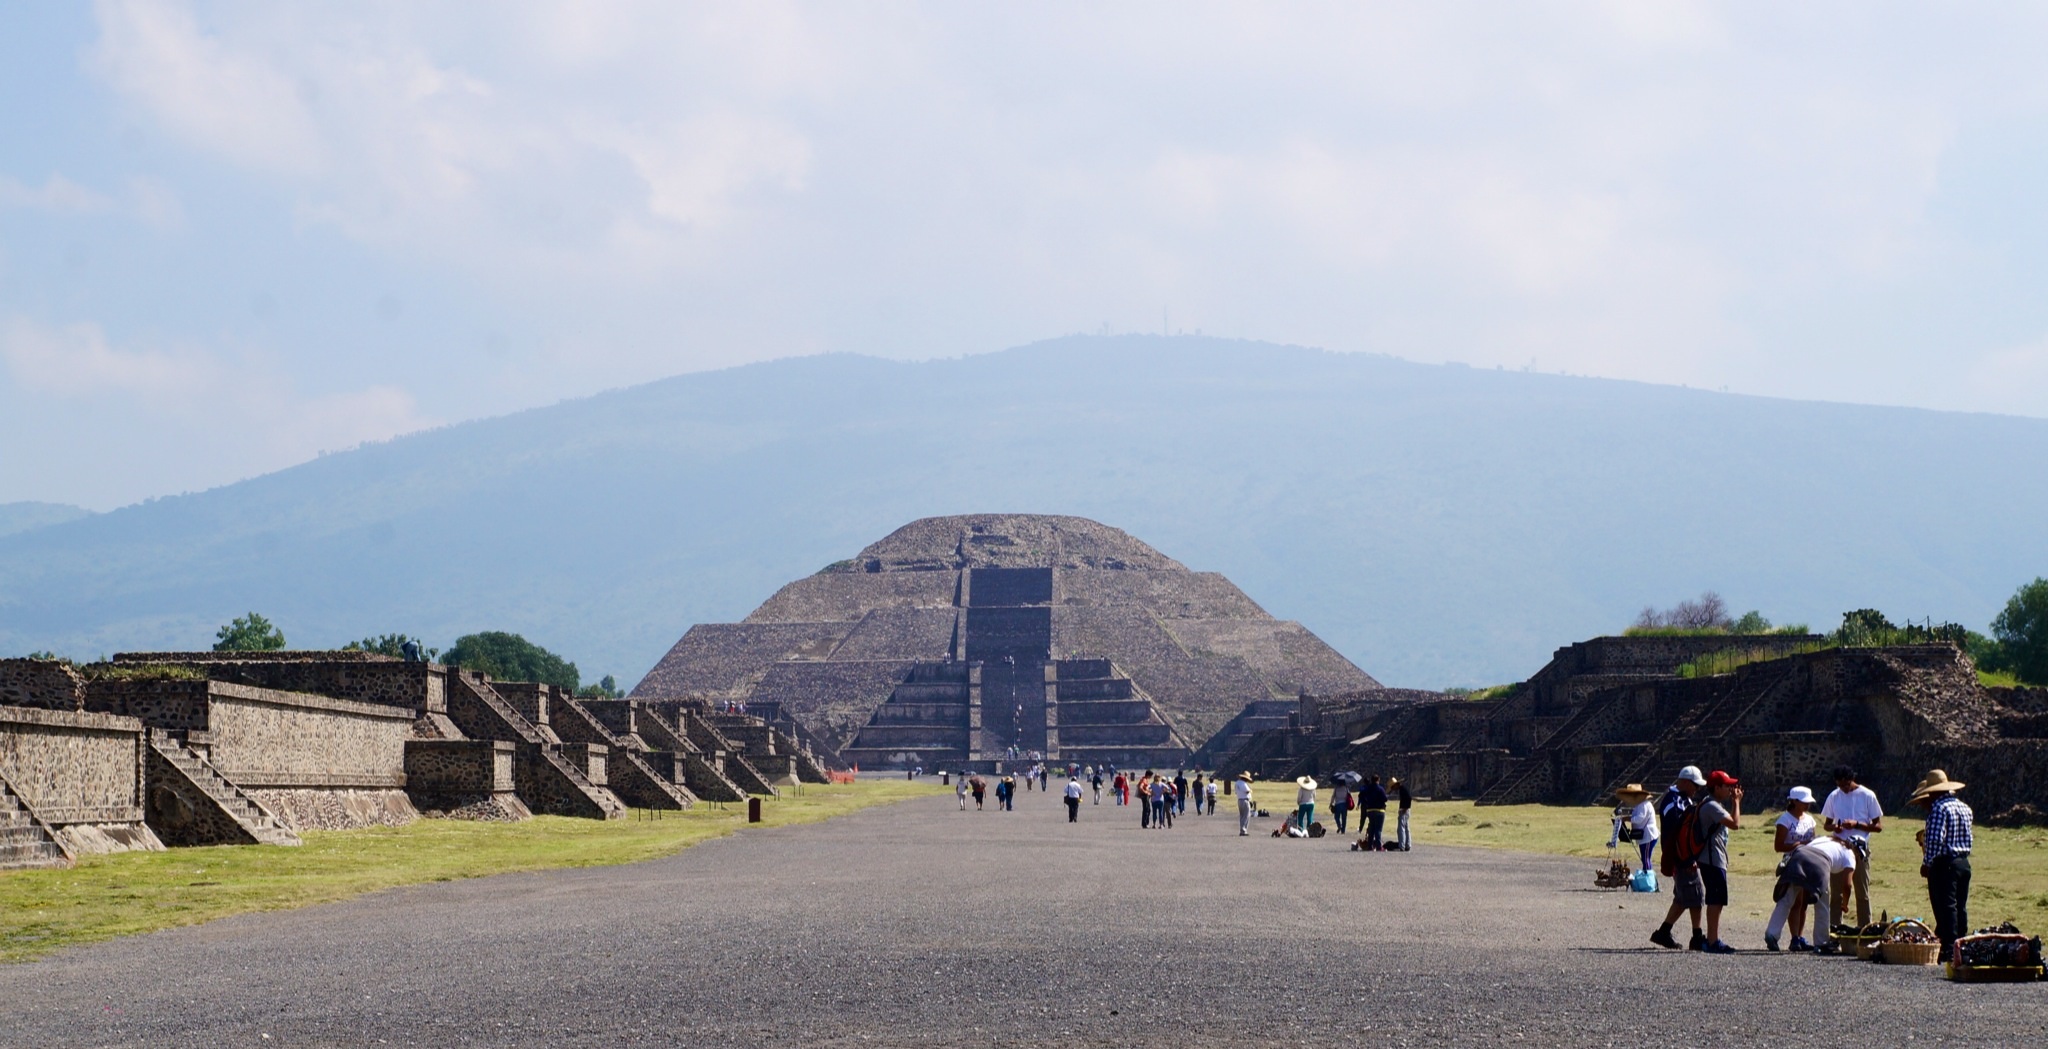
{"points": [[108, 896], [2009, 879]]}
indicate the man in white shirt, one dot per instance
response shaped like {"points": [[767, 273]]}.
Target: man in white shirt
{"points": [[1073, 801], [1853, 814], [1243, 789]]}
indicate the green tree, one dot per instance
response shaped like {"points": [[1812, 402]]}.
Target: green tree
{"points": [[392, 645], [509, 657], [606, 688], [250, 633], [2022, 632]]}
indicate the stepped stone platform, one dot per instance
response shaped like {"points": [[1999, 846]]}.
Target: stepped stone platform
{"points": [[969, 638]]}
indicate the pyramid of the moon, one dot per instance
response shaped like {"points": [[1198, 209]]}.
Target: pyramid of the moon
{"points": [[974, 637]]}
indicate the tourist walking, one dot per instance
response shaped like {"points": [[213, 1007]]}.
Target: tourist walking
{"points": [[1073, 801], [1121, 788], [1144, 787], [1642, 820], [1304, 802], [1945, 857], [1180, 789], [1242, 787], [1372, 809], [1212, 795], [1853, 814], [979, 787], [1673, 809], [1095, 782], [1197, 788], [960, 791], [1161, 802], [1718, 815], [1407, 801]]}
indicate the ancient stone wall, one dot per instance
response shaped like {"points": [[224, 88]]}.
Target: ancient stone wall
{"points": [[361, 676], [272, 739], [45, 683], [73, 766], [175, 704]]}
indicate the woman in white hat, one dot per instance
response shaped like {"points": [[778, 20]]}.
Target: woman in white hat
{"points": [[1305, 802], [1793, 831]]}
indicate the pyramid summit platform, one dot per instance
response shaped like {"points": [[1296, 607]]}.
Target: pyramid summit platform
{"points": [[977, 637]]}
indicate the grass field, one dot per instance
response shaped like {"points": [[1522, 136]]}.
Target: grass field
{"points": [[2009, 879], [108, 896]]}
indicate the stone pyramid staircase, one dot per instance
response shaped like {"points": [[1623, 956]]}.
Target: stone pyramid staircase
{"points": [[1705, 735], [194, 778], [25, 841]]}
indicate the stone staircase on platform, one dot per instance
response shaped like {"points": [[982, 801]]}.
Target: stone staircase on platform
{"points": [[234, 814], [1528, 778], [548, 782], [26, 843], [1704, 735]]}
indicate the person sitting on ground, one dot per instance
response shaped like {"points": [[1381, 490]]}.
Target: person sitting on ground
{"points": [[1718, 815]]}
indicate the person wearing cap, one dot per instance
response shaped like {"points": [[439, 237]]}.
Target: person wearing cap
{"points": [[1642, 818], [1853, 814], [1718, 815], [1794, 829], [1688, 893], [1242, 787], [1407, 800], [1945, 857], [1305, 802]]}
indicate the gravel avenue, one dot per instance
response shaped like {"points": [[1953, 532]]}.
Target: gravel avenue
{"points": [[918, 924]]}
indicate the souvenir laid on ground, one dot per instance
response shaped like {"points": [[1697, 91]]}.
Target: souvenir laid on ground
{"points": [[1614, 877], [2002, 954]]}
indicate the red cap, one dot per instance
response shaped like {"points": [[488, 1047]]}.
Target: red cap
{"points": [[1718, 778]]}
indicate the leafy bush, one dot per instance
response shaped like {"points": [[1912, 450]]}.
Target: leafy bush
{"points": [[509, 657], [392, 645], [606, 688], [140, 672], [250, 633]]}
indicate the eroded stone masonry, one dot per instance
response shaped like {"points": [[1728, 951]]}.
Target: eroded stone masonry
{"points": [[205, 748], [958, 642], [1614, 710]]}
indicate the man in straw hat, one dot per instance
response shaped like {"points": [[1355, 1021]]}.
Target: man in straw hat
{"points": [[1242, 787], [1945, 858]]}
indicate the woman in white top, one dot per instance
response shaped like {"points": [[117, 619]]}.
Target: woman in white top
{"points": [[1794, 830], [1642, 819]]}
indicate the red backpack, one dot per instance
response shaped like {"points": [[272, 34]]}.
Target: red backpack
{"points": [[1685, 841]]}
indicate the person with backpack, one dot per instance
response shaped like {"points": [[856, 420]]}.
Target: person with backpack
{"points": [[1681, 859], [1372, 809], [1719, 814]]}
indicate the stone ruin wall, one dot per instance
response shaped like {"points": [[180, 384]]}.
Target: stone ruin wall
{"points": [[45, 683], [72, 766]]}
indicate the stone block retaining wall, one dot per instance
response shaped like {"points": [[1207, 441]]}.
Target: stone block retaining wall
{"points": [[74, 766], [44, 683]]}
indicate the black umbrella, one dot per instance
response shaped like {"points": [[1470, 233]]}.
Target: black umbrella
{"points": [[1352, 778]]}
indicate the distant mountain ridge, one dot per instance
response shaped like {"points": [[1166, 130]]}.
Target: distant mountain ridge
{"points": [[1438, 525], [21, 517]]}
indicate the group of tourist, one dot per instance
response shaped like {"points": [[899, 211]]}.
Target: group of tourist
{"points": [[1363, 793], [1824, 864]]}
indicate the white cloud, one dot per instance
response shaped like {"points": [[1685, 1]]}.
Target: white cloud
{"points": [[247, 417], [56, 194]]}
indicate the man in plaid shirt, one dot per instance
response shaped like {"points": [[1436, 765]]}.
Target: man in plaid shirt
{"points": [[1945, 856]]}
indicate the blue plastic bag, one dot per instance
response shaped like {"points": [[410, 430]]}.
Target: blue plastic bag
{"points": [[1643, 881]]}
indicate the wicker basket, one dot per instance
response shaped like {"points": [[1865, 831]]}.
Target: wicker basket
{"points": [[1859, 946], [1909, 953]]}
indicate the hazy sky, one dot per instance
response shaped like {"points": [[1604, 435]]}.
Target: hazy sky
{"points": [[233, 235]]}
